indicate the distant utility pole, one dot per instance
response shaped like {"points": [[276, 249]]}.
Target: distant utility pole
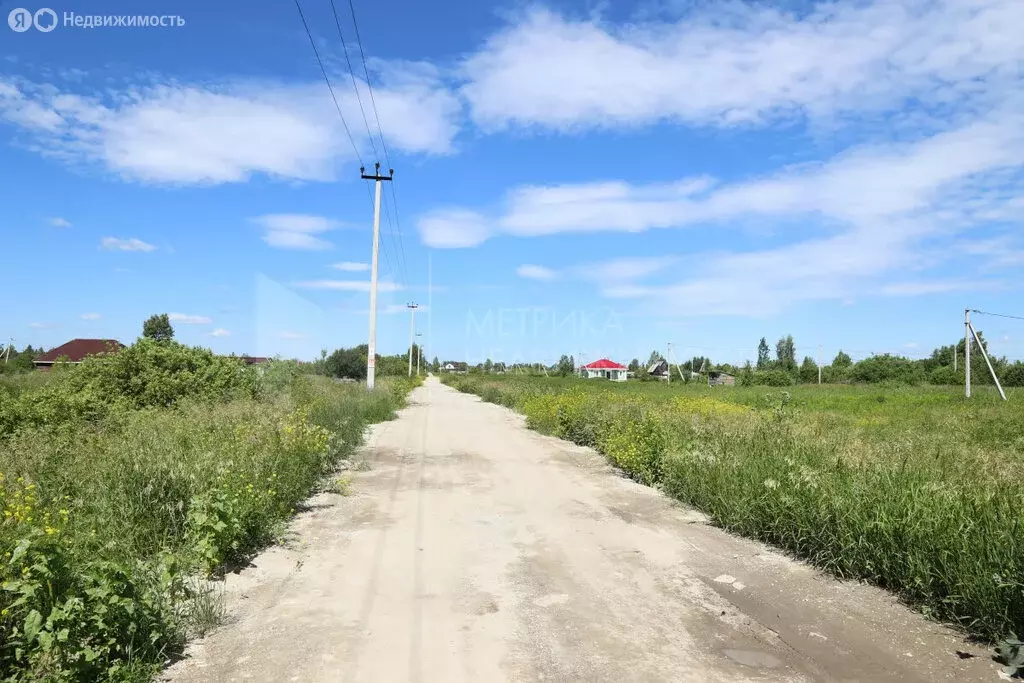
{"points": [[371, 351], [967, 352], [419, 355], [412, 332], [7, 351], [819, 363], [669, 352]]}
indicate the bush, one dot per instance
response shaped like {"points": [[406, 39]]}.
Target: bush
{"points": [[771, 378], [1013, 375], [887, 368], [944, 375]]}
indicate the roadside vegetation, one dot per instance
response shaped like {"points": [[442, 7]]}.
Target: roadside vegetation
{"points": [[128, 480], [915, 489]]}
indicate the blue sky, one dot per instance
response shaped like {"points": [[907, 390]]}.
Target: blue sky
{"points": [[576, 177]]}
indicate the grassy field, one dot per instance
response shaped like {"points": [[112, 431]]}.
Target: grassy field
{"points": [[125, 481], [915, 489]]}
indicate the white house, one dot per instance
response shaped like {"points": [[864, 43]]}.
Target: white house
{"points": [[604, 369]]}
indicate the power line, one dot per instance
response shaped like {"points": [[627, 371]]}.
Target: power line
{"points": [[380, 132], [369, 87], [328, 81], [359, 99], [337, 106], [998, 315]]}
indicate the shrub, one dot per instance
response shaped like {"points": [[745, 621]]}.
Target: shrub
{"points": [[771, 378]]}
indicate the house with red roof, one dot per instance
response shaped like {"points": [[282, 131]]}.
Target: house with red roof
{"points": [[604, 369], [76, 350]]}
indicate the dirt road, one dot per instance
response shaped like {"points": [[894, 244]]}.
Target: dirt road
{"points": [[476, 550]]}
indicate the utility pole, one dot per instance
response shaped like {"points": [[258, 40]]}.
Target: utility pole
{"points": [[412, 332], [371, 351], [419, 356], [984, 354], [967, 352], [7, 351], [667, 361], [954, 358], [819, 363]]}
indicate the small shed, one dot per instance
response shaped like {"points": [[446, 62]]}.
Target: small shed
{"points": [[659, 369], [604, 369], [721, 379]]}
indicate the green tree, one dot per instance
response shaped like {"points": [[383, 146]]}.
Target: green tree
{"points": [[785, 353], [158, 327], [842, 360], [349, 363], [634, 365], [808, 371], [764, 358], [435, 365], [565, 366], [488, 366], [655, 357]]}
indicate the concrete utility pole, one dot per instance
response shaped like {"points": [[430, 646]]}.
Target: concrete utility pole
{"points": [[668, 360], [967, 352], [419, 356], [819, 363], [371, 351], [412, 332]]}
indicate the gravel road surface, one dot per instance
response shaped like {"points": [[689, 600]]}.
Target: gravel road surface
{"points": [[475, 550]]}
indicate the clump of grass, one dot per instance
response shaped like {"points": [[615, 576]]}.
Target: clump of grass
{"points": [[920, 492]]}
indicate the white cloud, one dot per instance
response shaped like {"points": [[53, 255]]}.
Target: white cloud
{"points": [[41, 326], [173, 133], [90, 316], [348, 285], [295, 231], [220, 332], [919, 288], [59, 222], [453, 228], [744, 64], [624, 269], [117, 244], [186, 319], [287, 334], [535, 272], [351, 266], [869, 213]]}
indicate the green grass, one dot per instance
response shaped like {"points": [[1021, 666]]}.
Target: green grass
{"points": [[113, 513], [914, 489]]}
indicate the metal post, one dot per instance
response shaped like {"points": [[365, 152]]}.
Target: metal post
{"points": [[667, 361], [371, 347], [967, 353]]}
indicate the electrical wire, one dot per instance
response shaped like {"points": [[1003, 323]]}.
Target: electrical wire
{"points": [[380, 132], [998, 315], [328, 81], [337, 106], [355, 86]]}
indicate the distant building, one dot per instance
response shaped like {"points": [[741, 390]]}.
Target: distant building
{"points": [[455, 366], [77, 350], [604, 369], [659, 369], [721, 379]]}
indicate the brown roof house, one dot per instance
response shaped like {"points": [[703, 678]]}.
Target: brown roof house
{"points": [[76, 350]]}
